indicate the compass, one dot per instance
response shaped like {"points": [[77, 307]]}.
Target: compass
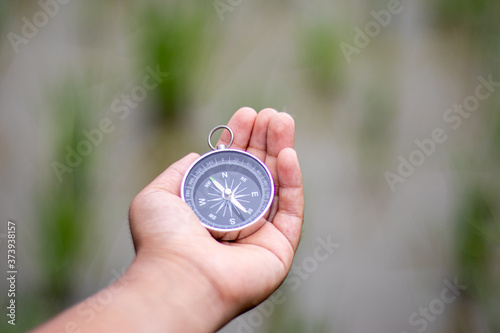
{"points": [[230, 190]]}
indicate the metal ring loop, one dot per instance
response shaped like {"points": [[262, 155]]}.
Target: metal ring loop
{"points": [[212, 133]]}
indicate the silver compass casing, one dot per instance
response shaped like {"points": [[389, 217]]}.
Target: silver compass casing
{"points": [[228, 168]]}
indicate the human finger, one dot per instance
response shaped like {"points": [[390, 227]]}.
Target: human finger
{"points": [[281, 134], [258, 140], [290, 215], [241, 123]]}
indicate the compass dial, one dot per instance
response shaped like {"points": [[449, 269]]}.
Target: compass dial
{"points": [[228, 189]]}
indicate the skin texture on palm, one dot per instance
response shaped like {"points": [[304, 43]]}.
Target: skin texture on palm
{"points": [[182, 279]]}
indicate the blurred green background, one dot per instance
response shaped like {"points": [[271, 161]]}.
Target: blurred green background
{"points": [[363, 79]]}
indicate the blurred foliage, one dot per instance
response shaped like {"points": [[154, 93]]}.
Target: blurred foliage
{"points": [[478, 236], [64, 218], [476, 23], [377, 128], [476, 20], [322, 58], [477, 15], [4, 7], [179, 40], [63, 213], [494, 124], [6, 52], [490, 110]]}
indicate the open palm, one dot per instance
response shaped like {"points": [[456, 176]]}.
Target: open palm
{"points": [[246, 271]]}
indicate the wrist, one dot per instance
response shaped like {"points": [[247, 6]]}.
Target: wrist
{"points": [[174, 296]]}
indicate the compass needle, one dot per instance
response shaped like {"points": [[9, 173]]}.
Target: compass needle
{"points": [[238, 205], [217, 184]]}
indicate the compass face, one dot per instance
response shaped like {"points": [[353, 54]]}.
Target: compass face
{"points": [[228, 189]]}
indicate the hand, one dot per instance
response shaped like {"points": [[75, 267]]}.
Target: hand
{"points": [[244, 272], [182, 279]]}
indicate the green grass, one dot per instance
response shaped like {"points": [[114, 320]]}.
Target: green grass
{"points": [[180, 41]]}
